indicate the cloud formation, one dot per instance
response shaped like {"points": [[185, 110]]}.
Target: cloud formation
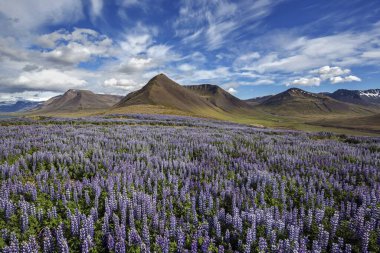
{"points": [[49, 79], [214, 23], [25, 16], [326, 73], [81, 45], [304, 81], [117, 46]]}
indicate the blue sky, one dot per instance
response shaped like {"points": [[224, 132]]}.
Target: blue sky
{"points": [[250, 47]]}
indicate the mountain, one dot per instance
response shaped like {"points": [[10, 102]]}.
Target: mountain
{"points": [[161, 91], [218, 97], [19, 106], [360, 97], [295, 101], [78, 100], [257, 100]]}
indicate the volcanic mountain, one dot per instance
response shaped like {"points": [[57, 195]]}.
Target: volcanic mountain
{"points": [[360, 97], [78, 100], [295, 101], [219, 97], [164, 92]]}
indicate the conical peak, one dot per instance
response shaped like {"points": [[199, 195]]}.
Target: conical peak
{"points": [[294, 90], [161, 80], [160, 76], [74, 91]]}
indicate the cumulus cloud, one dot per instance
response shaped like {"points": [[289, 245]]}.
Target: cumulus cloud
{"points": [[313, 81], [125, 84], [339, 79], [326, 73], [232, 90], [48, 79], [73, 48]]}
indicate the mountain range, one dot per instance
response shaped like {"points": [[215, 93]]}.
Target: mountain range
{"points": [[297, 101], [18, 106], [290, 108], [361, 97]]}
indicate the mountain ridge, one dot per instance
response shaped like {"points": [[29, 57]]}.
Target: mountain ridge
{"points": [[360, 97], [76, 100], [298, 101], [219, 97]]}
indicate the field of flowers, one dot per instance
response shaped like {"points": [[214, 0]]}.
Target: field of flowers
{"points": [[177, 184]]}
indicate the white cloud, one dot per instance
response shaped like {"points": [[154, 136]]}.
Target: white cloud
{"points": [[374, 54], [331, 74], [28, 95], [128, 3], [96, 8], [9, 50], [247, 59], [263, 82], [162, 53], [135, 44], [313, 81], [125, 84], [139, 53], [218, 73], [216, 33], [327, 72], [49, 79], [288, 52], [72, 48], [339, 79], [25, 16], [186, 67], [232, 90], [212, 23]]}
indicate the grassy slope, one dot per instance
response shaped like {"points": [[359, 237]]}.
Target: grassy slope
{"points": [[345, 124]]}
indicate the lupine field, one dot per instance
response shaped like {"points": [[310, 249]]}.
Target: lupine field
{"points": [[176, 184]]}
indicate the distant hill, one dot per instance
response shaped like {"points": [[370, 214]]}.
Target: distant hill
{"points": [[162, 91], [77, 100], [360, 97], [295, 101], [219, 97], [19, 106]]}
